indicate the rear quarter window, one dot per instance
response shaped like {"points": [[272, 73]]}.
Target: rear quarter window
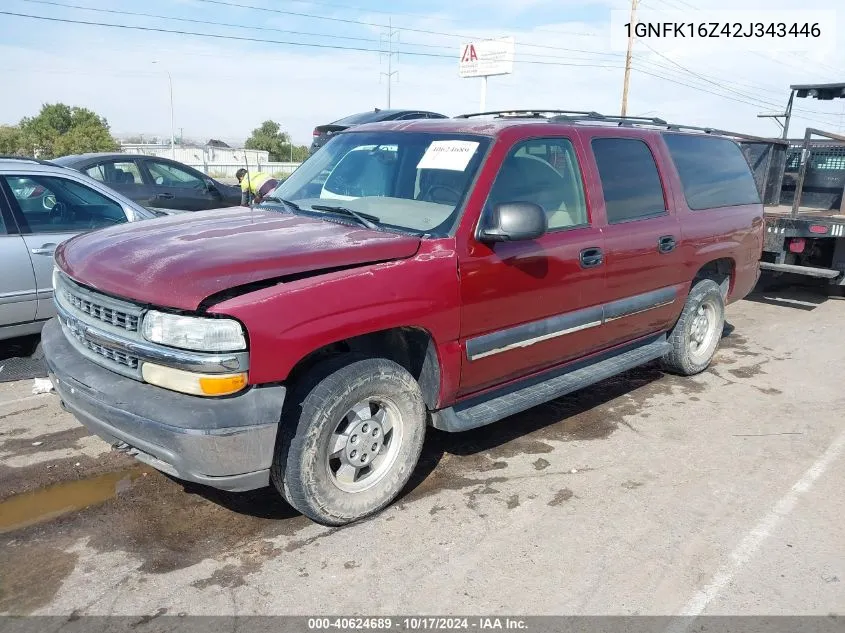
{"points": [[713, 172]]}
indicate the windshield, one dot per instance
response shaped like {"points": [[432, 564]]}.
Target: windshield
{"points": [[411, 181]]}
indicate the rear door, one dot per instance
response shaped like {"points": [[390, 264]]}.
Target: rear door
{"points": [[176, 186], [18, 293], [124, 176], [644, 247], [530, 305], [59, 209]]}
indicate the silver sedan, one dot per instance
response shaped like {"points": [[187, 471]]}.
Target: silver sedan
{"points": [[41, 205]]}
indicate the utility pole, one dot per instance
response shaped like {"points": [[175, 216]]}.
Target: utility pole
{"points": [[172, 129], [390, 53], [777, 116], [631, 35]]}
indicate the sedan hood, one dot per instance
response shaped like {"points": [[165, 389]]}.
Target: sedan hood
{"points": [[178, 261]]}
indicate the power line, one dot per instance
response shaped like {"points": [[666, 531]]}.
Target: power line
{"points": [[268, 41], [700, 89], [695, 74], [251, 27], [225, 3], [754, 101], [723, 84], [307, 33], [422, 16]]}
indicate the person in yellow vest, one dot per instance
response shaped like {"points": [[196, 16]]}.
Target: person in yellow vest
{"points": [[256, 185]]}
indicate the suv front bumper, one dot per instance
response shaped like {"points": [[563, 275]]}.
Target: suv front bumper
{"points": [[225, 443]]}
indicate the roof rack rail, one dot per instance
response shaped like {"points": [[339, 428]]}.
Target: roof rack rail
{"points": [[633, 121], [28, 159], [712, 130], [579, 116], [538, 114], [621, 120]]}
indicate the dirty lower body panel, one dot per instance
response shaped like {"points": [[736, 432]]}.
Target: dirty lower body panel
{"points": [[226, 443]]}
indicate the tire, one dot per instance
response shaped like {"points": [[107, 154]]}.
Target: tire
{"points": [[339, 406], [696, 335], [37, 351]]}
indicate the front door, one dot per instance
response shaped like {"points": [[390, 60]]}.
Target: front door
{"points": [[177, 187], [645, 264], [530, 305], [50, 210], [18, 294]]}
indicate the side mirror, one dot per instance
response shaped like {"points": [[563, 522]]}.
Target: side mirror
{"points": [[210, 187], [514, 221]]}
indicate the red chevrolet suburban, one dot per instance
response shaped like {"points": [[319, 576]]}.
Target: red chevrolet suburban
{"points": [[437, 272]]}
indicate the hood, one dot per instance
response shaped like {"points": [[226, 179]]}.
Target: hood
{"points": [[177, 261]]}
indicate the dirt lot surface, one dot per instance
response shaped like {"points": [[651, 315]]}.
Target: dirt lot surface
{"points": [[645, 494]]}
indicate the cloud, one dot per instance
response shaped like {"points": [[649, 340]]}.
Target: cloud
{"points": [[223, 89]]}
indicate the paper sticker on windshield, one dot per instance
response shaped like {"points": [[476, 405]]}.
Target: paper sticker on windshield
{"points": [[454, 155]]}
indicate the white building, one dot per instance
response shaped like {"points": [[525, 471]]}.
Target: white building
{"points": [[212, 159]]}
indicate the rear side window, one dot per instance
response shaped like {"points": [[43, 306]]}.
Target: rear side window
{"points": [[713, 171], [629, 179]]}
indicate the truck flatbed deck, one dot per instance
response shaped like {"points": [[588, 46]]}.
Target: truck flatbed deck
{"points": [[804, 212]]}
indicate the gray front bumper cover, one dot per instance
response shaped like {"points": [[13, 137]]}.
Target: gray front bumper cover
{"points": [[226, 443]]}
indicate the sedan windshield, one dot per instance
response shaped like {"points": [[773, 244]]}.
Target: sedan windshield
{"points": [[410, 181]]}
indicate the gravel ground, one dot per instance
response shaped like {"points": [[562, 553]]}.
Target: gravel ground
{"points": [[645, 494]]}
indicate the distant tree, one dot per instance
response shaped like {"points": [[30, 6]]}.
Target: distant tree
{"points": [[10, 140], [270, 138], [59, 130]]}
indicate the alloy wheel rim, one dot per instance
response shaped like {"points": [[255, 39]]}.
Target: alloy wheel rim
{"points": [[364, 445], [703, 334]]}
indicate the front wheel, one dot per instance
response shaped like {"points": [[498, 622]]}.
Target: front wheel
{"points": [[357, 432], [696, 335]]}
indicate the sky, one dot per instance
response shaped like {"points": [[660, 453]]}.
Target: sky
{"points": [[567, 56]]}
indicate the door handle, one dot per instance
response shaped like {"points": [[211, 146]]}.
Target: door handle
{"points": [[164, 196], [591, 257], [45, 249], [666, 244]]}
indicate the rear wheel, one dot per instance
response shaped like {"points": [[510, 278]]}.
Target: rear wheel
{"points": [[696, 335], [356, 431]]}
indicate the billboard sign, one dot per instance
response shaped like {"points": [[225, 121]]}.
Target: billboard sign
{"points": [[487, 57]]}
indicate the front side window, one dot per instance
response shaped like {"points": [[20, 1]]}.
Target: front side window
{"points": [[168, 175], [49, 204], [116, 173], [629, 179], [713, 171], [411, 181], [544, 172]]}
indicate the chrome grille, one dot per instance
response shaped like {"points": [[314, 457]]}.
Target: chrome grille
{"points": [[101, 312], [113, 355]]}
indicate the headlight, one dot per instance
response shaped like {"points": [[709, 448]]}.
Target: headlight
{"points": [[197, 333]]}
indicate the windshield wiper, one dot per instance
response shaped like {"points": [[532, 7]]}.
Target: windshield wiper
{"points": [[363, 218], [289, 203]]}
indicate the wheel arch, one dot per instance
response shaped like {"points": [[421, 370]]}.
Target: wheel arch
{"points": [[411, 347], [721, 270]]}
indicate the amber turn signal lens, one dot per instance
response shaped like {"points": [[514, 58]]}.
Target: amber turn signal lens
{"points": [[193, 383], [222, 385]]}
